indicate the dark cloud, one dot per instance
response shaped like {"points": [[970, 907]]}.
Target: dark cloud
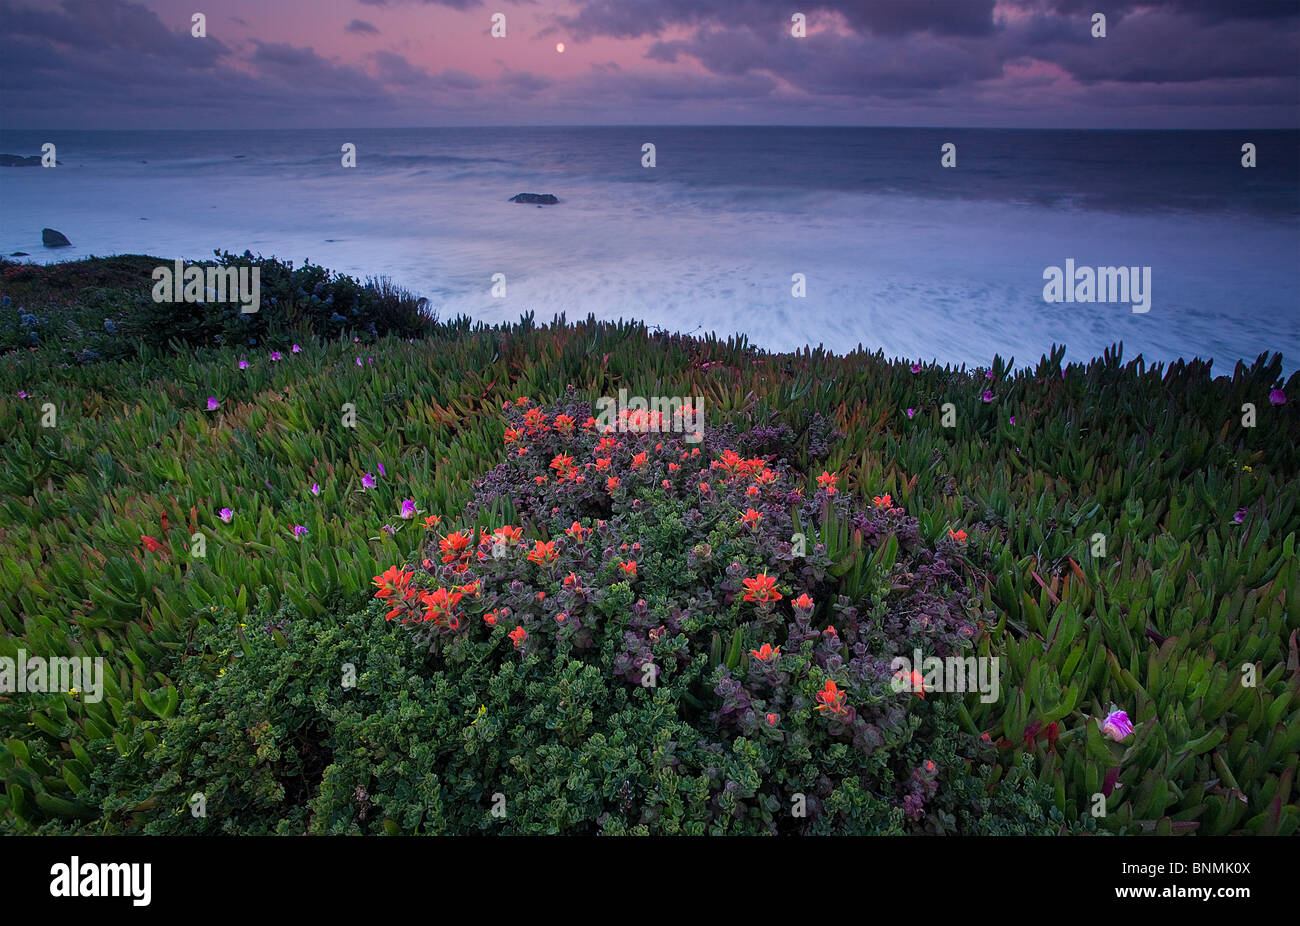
{"points": [[93, 26], [107, 63], [896, 48], [394, 70], [637, 18], [524, 82], [1207, 10]]}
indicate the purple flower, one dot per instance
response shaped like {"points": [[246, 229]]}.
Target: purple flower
{"points": [[315, 488], [213, 404], [1277, 397], [1117, 726], [1011, 420], [243, 364], [916, 368], [359, 361], [299, 530], [225, 514], [390, 529], [275, 355], [988, 375], [987, 396], [23, 395], [1240, 515], [408, 508], [296, 349], [368, 481], [382, 471], [911, 412]]}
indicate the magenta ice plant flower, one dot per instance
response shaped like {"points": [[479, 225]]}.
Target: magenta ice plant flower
{"points": [[382, 471], [916, 368], [1117, 726], [299, 530], [243, 364], [296, 349], [1277, 397], [987, 396], [225, 514], [315, 488], [911, 412], [1240, 515], [368, 481], [359, 361], [408, 508], [213, 404], [275, 355]]}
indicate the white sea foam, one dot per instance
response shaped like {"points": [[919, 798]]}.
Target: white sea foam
{"points": [[956, 280]]}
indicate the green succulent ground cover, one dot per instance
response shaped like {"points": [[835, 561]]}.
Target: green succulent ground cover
{"points": [[1129, 543]]}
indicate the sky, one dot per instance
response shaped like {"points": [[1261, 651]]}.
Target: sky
{"points": [[105, 64]]}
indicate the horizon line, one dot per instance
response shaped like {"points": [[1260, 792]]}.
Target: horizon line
{"points": [[666, 125]]}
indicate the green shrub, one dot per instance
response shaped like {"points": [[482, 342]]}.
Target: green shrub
{"points": [[560, 686]]}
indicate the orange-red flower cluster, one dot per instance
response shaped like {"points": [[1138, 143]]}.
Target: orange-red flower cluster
{"points": [[831, 698], [761, 588]]}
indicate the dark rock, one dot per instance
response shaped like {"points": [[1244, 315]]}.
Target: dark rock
{"points": [[541, 199], [54, 239], [20, 254], [17, 160]]}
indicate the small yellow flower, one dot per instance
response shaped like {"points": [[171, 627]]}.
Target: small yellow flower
{"points": [[482, 709], [1247, 469], [72, 691]]}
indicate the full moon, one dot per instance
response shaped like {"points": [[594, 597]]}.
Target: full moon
{"points": [[559, 46]]}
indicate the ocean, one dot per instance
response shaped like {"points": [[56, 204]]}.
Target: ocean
{"points": [[896, 252]]}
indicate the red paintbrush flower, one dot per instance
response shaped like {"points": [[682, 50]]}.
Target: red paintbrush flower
{"points": [[761, 588], [543, 554], [831, 698]]}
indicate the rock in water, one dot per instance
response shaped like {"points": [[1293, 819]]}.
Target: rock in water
{"points": [[54, 239], [17, 160], [541, 199]]}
